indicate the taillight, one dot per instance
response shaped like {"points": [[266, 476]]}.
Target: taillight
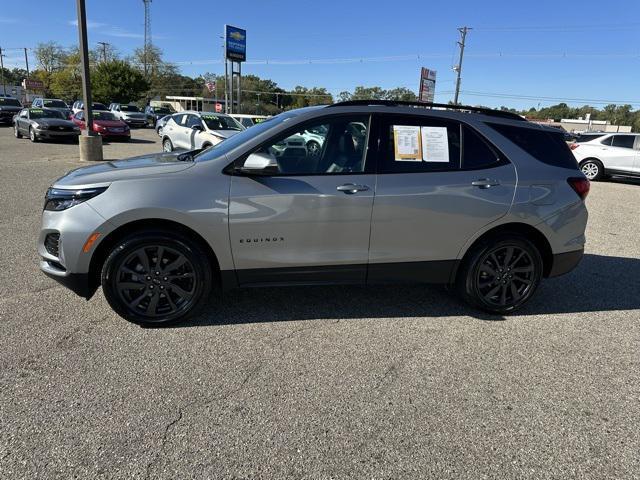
{"points": [[573, 146], [580, 185]]}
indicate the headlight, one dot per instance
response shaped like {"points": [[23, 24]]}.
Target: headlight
{"points": [[42, 126], [58, 199]]}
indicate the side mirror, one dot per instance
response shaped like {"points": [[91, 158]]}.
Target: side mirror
{"points": [[259, 164], [197, 128]]}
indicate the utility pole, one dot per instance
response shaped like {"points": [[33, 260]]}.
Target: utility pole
{"points": [[104, 50], [90, 144], [4, 87], [26, 61], [147, 35], [458, 69]]}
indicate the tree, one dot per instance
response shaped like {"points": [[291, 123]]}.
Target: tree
{"points": [[401, 94], [50, 56], [117, 81]]}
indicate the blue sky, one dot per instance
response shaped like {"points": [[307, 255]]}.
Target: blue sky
{"points": [[546, 50]]}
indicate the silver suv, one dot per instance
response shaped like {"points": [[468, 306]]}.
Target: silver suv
{"points": [[478, 199]]}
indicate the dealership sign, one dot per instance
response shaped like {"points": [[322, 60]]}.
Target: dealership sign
{"points": [[29, 84], [235, 43], [427, 85]]}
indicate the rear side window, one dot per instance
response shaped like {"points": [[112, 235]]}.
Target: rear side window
{"points": [[623, 141], [413, 144], [546, 147], [476, 153]]}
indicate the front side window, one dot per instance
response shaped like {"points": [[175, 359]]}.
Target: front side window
{"points": [[193, 121], [623, 141], [412, 144], [340, 149]]}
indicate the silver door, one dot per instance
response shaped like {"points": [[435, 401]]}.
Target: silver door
{"points": [[305, 228], [422, 219]]}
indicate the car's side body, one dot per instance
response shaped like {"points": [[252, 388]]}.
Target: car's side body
{"points": [[307, 229], [617, 153]]}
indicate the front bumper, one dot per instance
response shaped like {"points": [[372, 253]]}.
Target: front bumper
{"points": [[70, 265], [136, 122], [53, 134]]}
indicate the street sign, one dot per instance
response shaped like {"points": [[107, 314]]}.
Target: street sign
{"points": [[235, 43], [30, 84], [427, 85]]}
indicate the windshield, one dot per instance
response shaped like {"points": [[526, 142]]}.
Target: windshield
{"points": [[230, 143], [9, 102], [586, 137], [55, 104], [164, 111], [39, 113], [99, 106], [103, 115], [219, 122], [129, 108]]}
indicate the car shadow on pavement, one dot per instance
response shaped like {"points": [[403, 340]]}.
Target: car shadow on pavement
{"points": [[599, 283]]}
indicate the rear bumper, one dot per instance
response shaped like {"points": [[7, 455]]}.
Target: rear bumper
{"points": [[565, 262]]}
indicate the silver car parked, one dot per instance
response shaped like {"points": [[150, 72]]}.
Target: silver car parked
{"points": [[195, 130], [478, 199]]}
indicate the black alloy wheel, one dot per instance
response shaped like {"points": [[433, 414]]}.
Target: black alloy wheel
{"points": [[501, 275], [156, 278]]}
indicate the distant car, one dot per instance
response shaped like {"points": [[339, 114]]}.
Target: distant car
{"points": [[587, 137], [9, 107], [78, 106], [248, 120], [194, 130], [44, 123], [130, 114], [608, 154], [161, 123], [105, 124], [53, 104], [156, 113]]}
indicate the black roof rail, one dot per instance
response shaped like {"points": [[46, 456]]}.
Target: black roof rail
{"points": [[401, 103]]}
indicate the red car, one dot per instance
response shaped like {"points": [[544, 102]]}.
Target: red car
{"points": [[105, 124]]}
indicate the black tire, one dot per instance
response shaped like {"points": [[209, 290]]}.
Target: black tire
{"points": [[32, 135], [16, 131], [167, 146], [149, 293], [592, 169], [205, 146], [500, 274]]}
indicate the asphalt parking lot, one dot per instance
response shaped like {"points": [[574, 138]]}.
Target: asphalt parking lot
{"points": [[322, 382]]}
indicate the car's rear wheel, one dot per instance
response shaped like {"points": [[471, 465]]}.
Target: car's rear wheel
{"points": [[167, 146], [16, 131], [156, 278], [32, 135], [500, 274], [592, 169]]}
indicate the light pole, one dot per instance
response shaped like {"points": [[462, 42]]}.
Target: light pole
{"points": [[90, 144]]}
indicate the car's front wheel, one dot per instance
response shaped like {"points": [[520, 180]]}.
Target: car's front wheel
{"points": [[167, 146], [16, 131], [32, 135], [592, 169], [500, 274], [156, 278]]}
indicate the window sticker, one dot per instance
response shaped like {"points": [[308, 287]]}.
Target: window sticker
{"points": [[435, 144], [406, 143]]}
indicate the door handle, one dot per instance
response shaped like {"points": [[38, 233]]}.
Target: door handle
{"points": [[485, 183], [351, 188]]}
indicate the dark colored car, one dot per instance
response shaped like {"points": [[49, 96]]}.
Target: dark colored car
{"points": [[9, 107], [105, 124], [44, 123], [156, 113]]}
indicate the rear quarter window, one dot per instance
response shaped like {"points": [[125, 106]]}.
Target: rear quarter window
{"points": [[546, 147]]}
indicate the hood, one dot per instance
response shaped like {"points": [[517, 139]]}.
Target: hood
{"points": [[107, 172], [54, 122], [224, 133], [109, 123]]}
